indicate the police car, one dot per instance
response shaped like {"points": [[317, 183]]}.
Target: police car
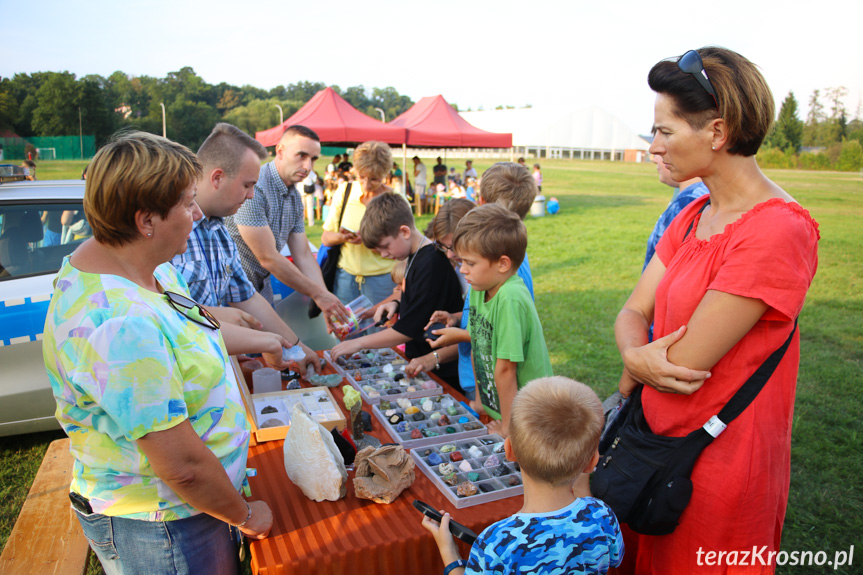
{"points": [[40, 223]]}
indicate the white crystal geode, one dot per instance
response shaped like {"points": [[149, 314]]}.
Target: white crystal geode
{"points": [[312, 460]]}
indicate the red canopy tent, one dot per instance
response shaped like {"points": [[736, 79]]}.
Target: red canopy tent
{"points": [[433, 122], [335, 121]]}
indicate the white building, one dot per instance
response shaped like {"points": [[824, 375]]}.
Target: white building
{"points": [[558, 132]]}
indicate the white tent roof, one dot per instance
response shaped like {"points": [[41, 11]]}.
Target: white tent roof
{"points": [[586, 128]]}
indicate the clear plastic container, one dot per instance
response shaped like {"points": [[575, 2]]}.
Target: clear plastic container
{"points": [[266, 380], [355, 309]]}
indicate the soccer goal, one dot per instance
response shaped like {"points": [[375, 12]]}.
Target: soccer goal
{"points": [[47, 153]]}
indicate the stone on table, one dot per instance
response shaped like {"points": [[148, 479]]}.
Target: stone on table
{"points": [[312, 460]]}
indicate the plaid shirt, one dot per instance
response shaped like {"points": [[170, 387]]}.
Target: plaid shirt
{"points": [[275, 205], [211, 265]]}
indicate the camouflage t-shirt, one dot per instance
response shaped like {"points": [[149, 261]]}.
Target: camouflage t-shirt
{"points": [[583, 537]]}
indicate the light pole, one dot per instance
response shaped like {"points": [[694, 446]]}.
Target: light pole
{"points": [[383, 115], [164, 131], [281, 114]]}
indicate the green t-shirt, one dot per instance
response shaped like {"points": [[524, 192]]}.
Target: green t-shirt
{"points": [[506, 327]]}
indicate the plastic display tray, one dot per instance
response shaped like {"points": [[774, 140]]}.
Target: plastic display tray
{"points": [[489, 486], [379, 374], [429, 423]]}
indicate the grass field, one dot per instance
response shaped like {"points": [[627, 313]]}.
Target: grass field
{"points": [[586, 259]]}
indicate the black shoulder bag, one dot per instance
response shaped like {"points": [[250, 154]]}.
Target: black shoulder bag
{"points": [[331, 264], [644, 477]]}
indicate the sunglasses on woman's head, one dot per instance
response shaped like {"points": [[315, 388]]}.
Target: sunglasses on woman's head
{"points": [[691, 63], [192, 310]]}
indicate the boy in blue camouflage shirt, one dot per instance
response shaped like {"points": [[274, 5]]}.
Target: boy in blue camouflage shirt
{"points": [[554, 436]]}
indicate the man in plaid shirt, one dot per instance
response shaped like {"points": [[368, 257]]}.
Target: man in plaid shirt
{"points": [[211, 263]]}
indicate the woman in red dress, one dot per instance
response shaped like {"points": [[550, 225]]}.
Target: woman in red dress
{"points": [[728, 280]]}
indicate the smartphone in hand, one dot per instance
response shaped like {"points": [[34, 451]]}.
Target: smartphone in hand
{"points": [[457, 529]]}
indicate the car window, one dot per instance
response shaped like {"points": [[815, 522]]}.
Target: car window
{"points": [[34, 238]]}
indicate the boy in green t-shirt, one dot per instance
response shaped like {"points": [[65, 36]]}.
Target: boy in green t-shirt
{"points": [[508, 344]]}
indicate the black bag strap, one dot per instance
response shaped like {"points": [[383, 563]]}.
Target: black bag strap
{"points": [[345, 197], [753, 386], [707, 203]]}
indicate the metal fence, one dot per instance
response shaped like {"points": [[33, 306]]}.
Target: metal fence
{"points": [[48, 148]]}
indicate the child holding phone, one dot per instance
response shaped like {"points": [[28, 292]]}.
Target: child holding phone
{"points": [[554, 436]]}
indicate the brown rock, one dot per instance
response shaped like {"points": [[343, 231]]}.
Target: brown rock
{"points": [[383, 473]]}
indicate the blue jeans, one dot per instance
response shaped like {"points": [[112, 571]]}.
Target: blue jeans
{"points": [[376, 288], [199, 544]]}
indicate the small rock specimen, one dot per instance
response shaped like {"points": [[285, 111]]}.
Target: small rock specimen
{"points": [[395, 418], [442, 419], [416, 434], [404, 403], [486, 487], [411, 410], [447, 448], [466, 489], [269, 409], [312, 460], [456, 456], [429, 433], [429, 384], [463, 419], [418, 416], [492, 461], [500, 471], [452, 410], [384, 405], [427, 405], [450, 478], [446, 468], [403, 426], [474, 452], [465, 466], [435, 459], [471, 426], [513, 481], [329, 380], [472, 476], [272, 422], [383, 473]]}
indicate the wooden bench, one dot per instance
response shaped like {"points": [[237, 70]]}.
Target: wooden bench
{"points": [[47, 538]]}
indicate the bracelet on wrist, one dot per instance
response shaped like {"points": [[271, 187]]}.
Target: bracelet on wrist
{"points": [[454, 565], [436, 360], [248, 516]]}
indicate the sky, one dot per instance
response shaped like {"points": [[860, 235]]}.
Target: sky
{"points": [[476, 53]]}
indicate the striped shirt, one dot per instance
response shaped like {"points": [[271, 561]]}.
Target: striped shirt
{"points": [[275, 205], [211, 265]]}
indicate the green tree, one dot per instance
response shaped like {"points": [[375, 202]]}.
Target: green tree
{"points": [[8, 109], [851, 156], [56, 113], [814, 119], [788, 130]]}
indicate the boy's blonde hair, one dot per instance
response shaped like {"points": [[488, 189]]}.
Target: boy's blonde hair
{"points": [[554, 428], [510, 185], [384, 215], [491, 231]]}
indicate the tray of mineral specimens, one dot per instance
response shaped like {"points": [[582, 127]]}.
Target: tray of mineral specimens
{"points": [[425, 421], [470, 471], [271, 412], [380, 374]]}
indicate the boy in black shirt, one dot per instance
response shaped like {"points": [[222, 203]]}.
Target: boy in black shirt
{"points": [[430, 282]]}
